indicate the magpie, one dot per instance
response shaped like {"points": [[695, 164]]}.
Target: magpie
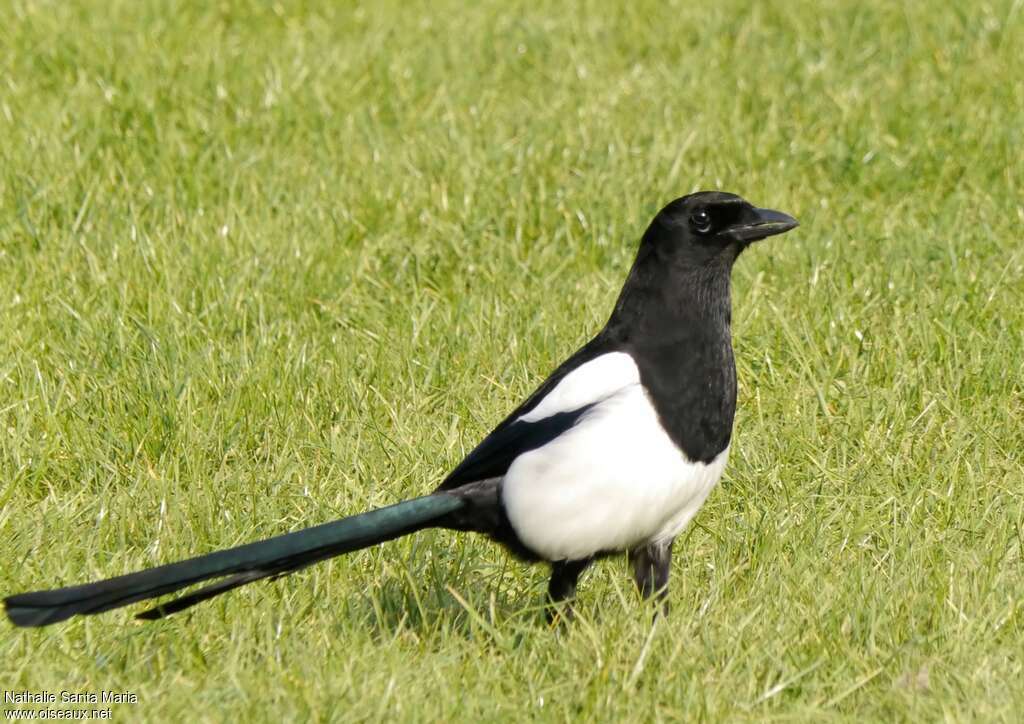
{"points": [[615, 451]]}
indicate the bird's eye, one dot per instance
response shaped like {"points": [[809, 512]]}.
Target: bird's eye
{"points": [[701, 222]]}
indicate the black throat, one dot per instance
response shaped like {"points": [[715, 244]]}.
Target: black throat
{"points": [[674, 320]]}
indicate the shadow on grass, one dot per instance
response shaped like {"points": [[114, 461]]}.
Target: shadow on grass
{"points": [[476, 592], [470, 593]]}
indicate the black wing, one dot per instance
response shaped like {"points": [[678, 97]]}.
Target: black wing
{"points": [[513, 437], [492, 457]]}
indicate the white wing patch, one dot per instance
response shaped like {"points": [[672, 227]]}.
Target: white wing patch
{"points": [[590, 382], [613, 481]]}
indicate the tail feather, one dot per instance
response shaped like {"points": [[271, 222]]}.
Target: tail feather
{"points": [[243, 564], [206, 592]]}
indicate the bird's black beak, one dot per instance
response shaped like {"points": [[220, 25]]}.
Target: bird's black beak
{"points": [[766, 222]]}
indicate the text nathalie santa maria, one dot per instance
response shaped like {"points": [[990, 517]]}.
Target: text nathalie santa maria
{"points": [[103, 696]]}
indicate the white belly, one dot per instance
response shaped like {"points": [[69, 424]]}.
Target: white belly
{"points": [[612, 482]]}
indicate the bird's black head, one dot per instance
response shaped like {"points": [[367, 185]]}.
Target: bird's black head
{"points": [[710, 228], [681, 276]]}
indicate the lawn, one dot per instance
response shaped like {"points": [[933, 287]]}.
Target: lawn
{"points": [[266, 264]]}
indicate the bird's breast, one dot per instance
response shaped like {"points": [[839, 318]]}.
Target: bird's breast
{"points": [[692, 387], [614, 480]]}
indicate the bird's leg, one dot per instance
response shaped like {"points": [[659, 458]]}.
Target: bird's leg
{"points": [[651, 564], [562, 587]]}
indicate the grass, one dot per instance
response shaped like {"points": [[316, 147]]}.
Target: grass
{"points": [[263, 265]]}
